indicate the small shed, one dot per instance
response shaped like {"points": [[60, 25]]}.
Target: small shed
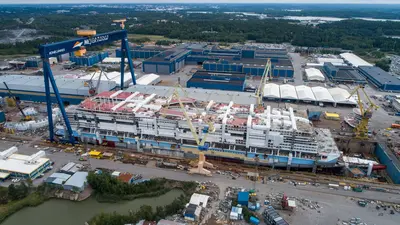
{"points": [[149, 79], [192, 212], [243, 198], [77, 182], [126, 177], [199, 199]]}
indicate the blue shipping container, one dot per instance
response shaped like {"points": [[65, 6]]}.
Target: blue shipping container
{"points": [[243, 198], [2, 117], [254, 220]]}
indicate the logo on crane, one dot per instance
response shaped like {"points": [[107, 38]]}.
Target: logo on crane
{"points": [[77, 44]]}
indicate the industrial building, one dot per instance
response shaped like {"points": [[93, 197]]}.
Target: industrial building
{"points": [[73, 89], [254, 67], [166, 62], [380, 78], [192, 212], [22, 166], [287, 92], [199, 199], [354, 60], [149, 79], [243, 60], [219, 81], [343, 74], [142, 52], [57, 179], [88, 59], [313, 74], [76, 182]]}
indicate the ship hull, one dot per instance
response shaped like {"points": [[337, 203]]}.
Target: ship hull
{"points": [[191, 151]]}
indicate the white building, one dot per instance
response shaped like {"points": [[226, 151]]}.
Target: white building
{"points": [[322, 95], [22, 166], [272, 91], [305, 93], [314, 74], [149, 79], [199, 199], [288, 92], [341, 96], [354, 60]]}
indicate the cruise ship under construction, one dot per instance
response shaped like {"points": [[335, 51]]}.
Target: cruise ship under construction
{"points": [[183, 126]]}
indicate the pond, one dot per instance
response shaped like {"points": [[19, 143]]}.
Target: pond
{"points": [[64, 212]]}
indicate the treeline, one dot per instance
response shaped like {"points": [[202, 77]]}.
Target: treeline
{"points": [[356, 35], [106, 186]]}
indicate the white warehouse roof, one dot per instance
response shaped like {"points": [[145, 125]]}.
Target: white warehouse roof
{"points": [[342, 96], [288, 91], [271, 90], [331, 60], [322, 94], [148, 79], [199, 199], [17, 163], [314, 74], [354, 60], [305, 93]]}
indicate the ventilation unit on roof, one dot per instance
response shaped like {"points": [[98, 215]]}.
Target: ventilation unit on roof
{"points": [[7, 153]]}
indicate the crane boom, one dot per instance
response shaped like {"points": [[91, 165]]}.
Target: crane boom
{"points": [[266, 74], [361, 130], [16, 101]]}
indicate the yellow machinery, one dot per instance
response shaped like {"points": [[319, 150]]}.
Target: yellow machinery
{"points": [[361, 130], [266, 76], [83, 33], [121, 23]]}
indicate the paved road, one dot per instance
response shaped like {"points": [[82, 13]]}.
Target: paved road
{"points": [[335, 204]]}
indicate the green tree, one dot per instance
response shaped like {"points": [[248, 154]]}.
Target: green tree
{"points": [[3, 195]]}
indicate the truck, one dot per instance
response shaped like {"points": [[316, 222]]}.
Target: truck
{"points": [[357, 189]]}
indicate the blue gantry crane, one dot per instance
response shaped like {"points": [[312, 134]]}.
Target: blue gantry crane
{"points": [[55, 49]]}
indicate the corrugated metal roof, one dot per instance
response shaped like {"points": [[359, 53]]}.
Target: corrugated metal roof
{"points": [[354, 60], [77, 180], [199, 199]]}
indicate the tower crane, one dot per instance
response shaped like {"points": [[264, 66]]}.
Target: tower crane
{"points": [[121, 23], [361, 130], [266, 76], [210, 129]]}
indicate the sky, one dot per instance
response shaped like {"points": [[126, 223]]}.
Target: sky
{"points": [[202, 1]]}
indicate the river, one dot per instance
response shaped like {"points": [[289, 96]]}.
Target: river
{"points": [[64, 212]]}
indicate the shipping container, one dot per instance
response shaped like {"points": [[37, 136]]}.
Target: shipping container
{"points": [[254, 220], [2, 116]]}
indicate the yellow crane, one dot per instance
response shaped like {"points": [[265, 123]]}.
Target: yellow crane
{"points": [[121, 23], [83, 33], [206, 130], [266, 76], [361, 130]]}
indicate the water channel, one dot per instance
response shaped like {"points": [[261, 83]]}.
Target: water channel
{"points": [[64, 212]]}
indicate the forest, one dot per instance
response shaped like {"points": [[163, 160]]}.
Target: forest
{"points": [[357, 35]]}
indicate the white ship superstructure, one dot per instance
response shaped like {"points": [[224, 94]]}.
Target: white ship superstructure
{"points": [[150, 122]]}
